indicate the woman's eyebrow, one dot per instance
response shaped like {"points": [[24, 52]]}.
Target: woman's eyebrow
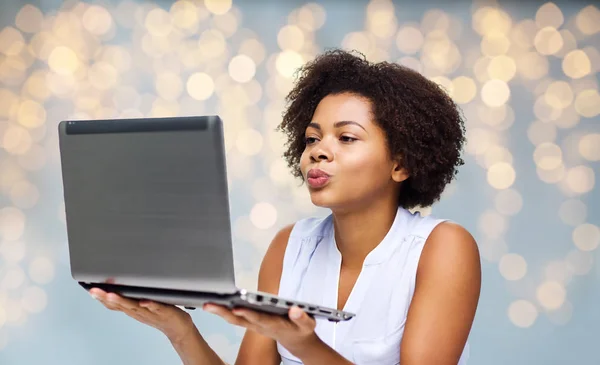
{"points": [[339, 124]]}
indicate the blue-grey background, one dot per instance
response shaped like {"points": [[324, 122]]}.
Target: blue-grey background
{"points": [[525, 74]]}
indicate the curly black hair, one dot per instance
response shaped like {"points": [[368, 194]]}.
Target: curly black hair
{"points": [[422, 123]]}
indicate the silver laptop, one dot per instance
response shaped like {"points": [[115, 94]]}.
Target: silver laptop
{"points": [[147, 212]]}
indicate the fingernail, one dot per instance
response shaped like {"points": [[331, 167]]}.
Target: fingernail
{"points": [[94, 295], [210, 309], [295, 313]]}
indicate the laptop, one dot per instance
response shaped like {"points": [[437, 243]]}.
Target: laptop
{"points": [[148, 217]]}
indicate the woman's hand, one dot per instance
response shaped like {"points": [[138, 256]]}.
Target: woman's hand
{"points": [[296, 333], [170, 320]]}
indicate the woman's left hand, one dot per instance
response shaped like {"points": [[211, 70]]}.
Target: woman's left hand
{"points": [[296, 333]]}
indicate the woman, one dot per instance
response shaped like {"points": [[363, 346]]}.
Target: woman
{"points": [[371, 141]]}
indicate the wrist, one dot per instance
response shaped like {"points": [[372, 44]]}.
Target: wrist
{"points": [[185, 331], [303, 348]]}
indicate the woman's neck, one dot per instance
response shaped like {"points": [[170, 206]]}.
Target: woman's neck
{"points": [[358, 232]]}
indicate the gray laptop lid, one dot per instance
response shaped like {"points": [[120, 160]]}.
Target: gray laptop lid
{"points": [[147, 203]]}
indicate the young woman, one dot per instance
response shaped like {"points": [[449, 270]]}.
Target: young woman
{"points": [[371, 141]]}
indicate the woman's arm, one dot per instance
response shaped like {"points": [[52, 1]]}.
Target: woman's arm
{"points": [[445, 300], [256, 348]]}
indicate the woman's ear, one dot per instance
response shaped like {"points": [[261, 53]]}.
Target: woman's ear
{"points": [[399, 173]]}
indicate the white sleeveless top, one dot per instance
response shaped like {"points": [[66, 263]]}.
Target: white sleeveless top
{"points": [[380, 298]]}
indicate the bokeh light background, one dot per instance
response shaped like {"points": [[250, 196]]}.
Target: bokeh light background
{"points": [[525, 74]]}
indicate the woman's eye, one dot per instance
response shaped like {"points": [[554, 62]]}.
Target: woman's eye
{"points": [[347, 139], [310, 140]]}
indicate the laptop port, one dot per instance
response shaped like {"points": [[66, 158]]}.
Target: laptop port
{"points": [[274, 300], [326, 311], [259, 298], [312, 308], [289, 304], [301, 306]]}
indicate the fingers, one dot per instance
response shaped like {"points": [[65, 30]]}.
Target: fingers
{"points": [[115, 302], [302, 319], [261, 319], [228, 315]]}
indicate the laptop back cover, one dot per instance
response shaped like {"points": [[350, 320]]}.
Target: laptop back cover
{"points": [[147, 202]]}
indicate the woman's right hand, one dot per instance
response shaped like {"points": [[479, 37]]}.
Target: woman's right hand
{"points": [[170, 320]]}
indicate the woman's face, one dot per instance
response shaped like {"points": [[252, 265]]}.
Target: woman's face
{"points": [[346, 162]]}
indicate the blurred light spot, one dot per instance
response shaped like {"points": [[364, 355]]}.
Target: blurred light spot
{"points": [[512, 266], [523, 33], [562, 315], [501, 175], [226, 23], [200, 86], [547, 156], [212, 43], [412, 63], [586, 237], [541, 132], [11, 41], [549, 15], [360, 41], [559, 93], [63, 61], [464, 89], [97, 20], [249, 142], [380, 18], [502, 68], [493, 155], [34, 299], [551, 294], [31, 114], [508, 202], [24, 195], [488, 20], [262, 189], [576, 64], [164, 108], [103, 76], [594, 57], [544, 111], [288, 62], [589, 147], [12, 251], [3, 337], [579, 262], [263, 215], [580, 179], [573, 212], [551, 176], [254, 49], [311, 16], [17, 140], [409, 40], [495, 44], [242, 68], [290, 37], [13, 278], [588, 20], [492, 224], [14, 312], [495, 93], [493, 250], [587, 103], [41, 270], [218, 6], [569, 43], [558, 271], [522, 313], [532, 65], [158, 22], [29, 19], [548, 41], [168, 86], [184, 14]]}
